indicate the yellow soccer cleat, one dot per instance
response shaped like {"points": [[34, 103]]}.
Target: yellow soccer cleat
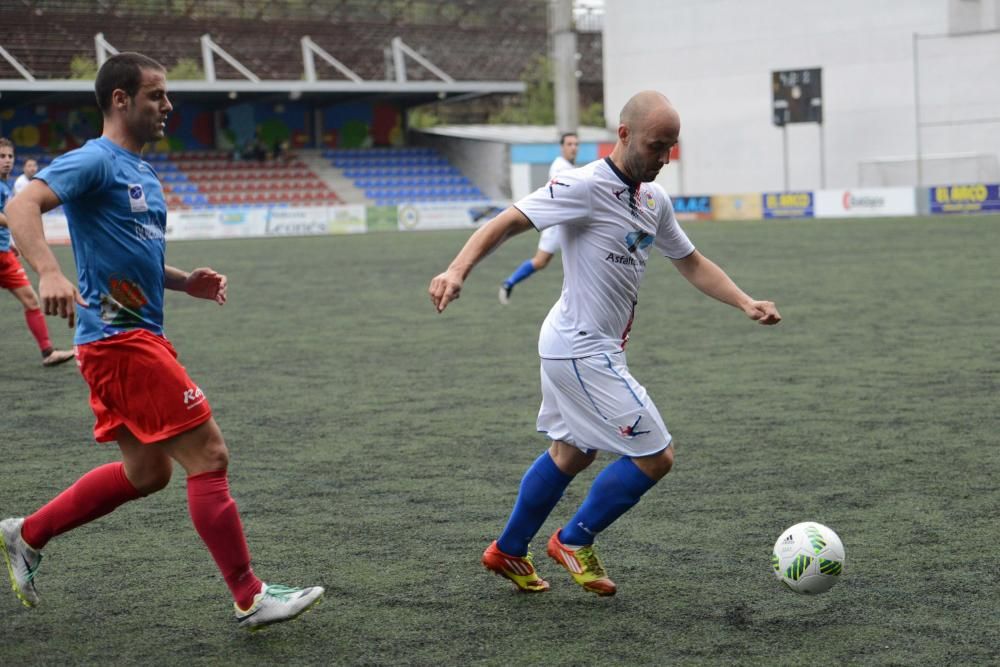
{"points": [[518, 569], [583, 564]]}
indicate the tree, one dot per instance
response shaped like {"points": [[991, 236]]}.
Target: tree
{"points": [[186, 69], [537, 104], [82, 67]]}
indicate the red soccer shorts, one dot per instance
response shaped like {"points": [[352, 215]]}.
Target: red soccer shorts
{"points": [[136, 381], [12, 274]]}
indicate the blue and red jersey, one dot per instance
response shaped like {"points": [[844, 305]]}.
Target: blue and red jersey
{"points": [[117, 219], [5, 194]]}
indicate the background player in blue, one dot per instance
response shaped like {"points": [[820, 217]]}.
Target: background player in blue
{"points": [[610, 215], [12, 275], [117, 218]]}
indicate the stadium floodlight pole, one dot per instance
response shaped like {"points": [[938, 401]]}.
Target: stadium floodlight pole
{"points": [[784, 151], [916, 108], [563, 45], [822, 157]]}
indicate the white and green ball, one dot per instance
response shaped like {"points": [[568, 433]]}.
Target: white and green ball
{"points": [[808, 558]]}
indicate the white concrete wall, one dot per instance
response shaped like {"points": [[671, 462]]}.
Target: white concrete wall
{"points": [[486, 163], [714, 59]]}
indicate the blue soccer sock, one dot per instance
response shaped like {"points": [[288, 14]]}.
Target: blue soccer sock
{"points": [[541, 488], [615, 490], [522, 272]]}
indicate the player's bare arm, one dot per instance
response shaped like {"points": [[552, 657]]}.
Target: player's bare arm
{"points": [[203, 283], [706, 275], [447, 286], [24, 217]]}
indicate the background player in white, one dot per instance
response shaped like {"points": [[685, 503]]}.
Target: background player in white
{"points": [[548, 240], [610, 214], [30, 169]]}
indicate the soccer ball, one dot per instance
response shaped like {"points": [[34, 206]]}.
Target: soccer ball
{"points": [[808, 558]]}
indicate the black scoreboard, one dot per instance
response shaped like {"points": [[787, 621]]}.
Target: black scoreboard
{"points": [[797, 96]]}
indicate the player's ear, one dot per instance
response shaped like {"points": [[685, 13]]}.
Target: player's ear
{"points": [[119, 98], [623, 133]]}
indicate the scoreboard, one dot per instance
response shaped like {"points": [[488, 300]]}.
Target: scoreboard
{"points": [[797, 96]]}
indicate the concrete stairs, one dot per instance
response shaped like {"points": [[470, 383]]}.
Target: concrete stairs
{"points": [[333, 177]]}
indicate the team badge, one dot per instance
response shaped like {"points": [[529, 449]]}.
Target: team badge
{"points": [[650, 201], [137, 198]]}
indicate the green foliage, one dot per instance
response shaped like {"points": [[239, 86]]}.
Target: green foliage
{"points": [[593, 115], [82, 67], [537, 105], [186, 69], [422, 117], [377, 448]]}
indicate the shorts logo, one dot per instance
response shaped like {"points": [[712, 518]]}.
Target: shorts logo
{"points": [[633, 430], [193, 397], [137, 198]]}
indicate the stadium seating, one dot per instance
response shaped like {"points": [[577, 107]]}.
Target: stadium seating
{"points": [[389, 176], [386, 176], [207, 179]]}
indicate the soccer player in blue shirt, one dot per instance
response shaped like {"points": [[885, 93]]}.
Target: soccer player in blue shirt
{"points": [[117, 218], [12, 275]]}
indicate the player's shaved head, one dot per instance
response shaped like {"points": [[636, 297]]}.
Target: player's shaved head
{"points": [[645, 105], [648, 129]]}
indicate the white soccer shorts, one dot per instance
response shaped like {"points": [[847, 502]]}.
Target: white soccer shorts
{"points": [[548, 240], [595, 403]]}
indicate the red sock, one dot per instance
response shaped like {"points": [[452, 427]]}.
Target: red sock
{"points": [[36, 323], [217, 520], [92, 496]]}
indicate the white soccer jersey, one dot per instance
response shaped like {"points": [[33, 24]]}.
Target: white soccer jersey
{"points": [[608, 224], [20, 183], [559, 165]]}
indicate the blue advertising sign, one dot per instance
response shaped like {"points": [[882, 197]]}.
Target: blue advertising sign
{"points": [[689, 207], [975, 198], [787, 204]]}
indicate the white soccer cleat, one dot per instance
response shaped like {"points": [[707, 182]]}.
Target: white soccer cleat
{"points": [[504, 294], [275, 604], [22, 561]]}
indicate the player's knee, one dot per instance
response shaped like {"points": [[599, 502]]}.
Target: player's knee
{"points": [[215, 455], [668, 459], [569, 458], [150, 479], [28, 299], [656, 466]]}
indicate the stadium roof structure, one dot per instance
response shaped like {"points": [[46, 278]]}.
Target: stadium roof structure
{"points": [[519, 134], [29, 90], [14, 92]]}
